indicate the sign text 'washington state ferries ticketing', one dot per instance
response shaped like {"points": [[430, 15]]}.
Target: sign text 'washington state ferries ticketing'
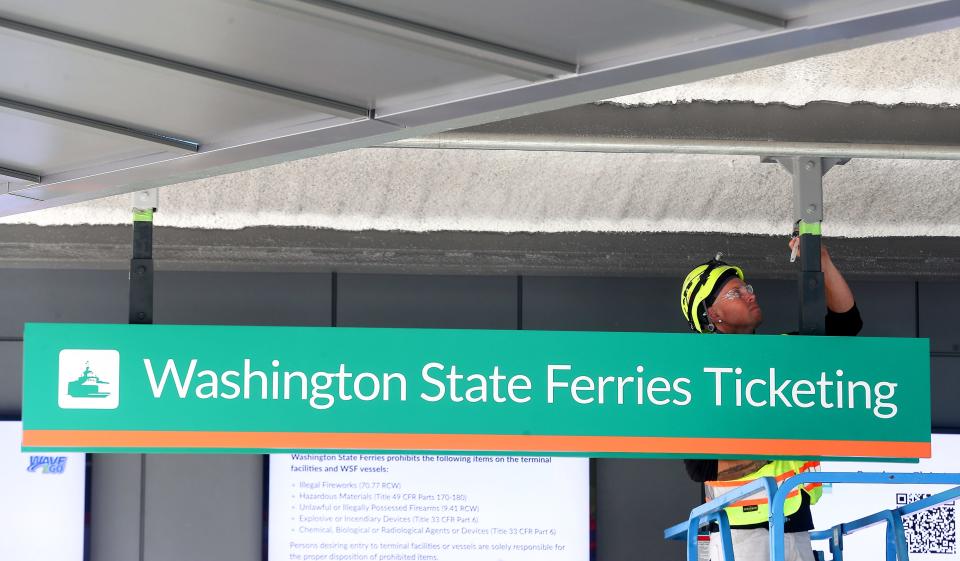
{"points": [[267, 389]]}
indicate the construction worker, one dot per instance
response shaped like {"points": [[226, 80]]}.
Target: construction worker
{"points": [[716, 299]]}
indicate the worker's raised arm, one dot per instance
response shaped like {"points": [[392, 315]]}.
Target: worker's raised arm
{"points": [[836, 290], [838, 294]]}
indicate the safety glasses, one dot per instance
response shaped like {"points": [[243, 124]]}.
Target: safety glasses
{"points": [[739, 292]]}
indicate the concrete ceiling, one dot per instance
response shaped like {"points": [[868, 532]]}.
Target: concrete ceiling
{"points": [[427, 190]]}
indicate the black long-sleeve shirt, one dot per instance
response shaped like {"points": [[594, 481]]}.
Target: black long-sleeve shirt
{"points": [[843, 324]]}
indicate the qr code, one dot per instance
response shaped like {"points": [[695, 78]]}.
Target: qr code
{"points": [[930, 531]]}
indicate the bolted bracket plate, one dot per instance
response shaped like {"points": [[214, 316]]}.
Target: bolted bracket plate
{"points": [[807, 173]]}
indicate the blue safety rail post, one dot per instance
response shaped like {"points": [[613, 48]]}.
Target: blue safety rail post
{"points": [[895, 541], [713, 511]]}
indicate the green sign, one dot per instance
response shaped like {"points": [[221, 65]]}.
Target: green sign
{"points": [[135, 388]]}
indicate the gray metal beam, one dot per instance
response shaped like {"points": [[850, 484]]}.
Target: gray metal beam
{"points": [[330, 106], [743, 128], [513, 62], [7, 174], [734, 14], [57, 115], [618, 145]]}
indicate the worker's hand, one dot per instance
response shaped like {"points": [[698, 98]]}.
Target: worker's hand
{"points": [[825, 260]]}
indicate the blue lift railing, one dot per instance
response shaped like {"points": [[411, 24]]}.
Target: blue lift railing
{"points": [[896, 546]]}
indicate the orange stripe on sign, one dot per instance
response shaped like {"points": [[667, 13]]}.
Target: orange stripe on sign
{"points": [[472, 443]]}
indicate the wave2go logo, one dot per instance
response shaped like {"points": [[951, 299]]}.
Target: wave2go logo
{"points": [[89, 379], [47, 464]]}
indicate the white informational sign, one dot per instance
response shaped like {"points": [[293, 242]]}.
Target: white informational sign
{"points": [[41, 501], [350, 507], [931, 534]]}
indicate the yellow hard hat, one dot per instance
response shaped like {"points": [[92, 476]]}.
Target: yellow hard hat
{"points": [[697, 292]]}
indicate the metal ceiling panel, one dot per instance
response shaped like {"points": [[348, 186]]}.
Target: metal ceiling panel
{"points": [[577, 31], [48, 147], [256, 82], [791, 9], [139, 95], [256, 40]]}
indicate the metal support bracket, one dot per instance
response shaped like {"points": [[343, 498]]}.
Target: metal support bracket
{"points": [[145, 203], [807, 176]]}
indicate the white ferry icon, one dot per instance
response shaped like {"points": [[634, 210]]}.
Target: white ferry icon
{"points": [[87, 385]]}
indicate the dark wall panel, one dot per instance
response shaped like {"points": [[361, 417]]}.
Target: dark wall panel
{"points": [[944, 391], [115, 507], [203, 507], [889, 309], [11, 377], [61, 296], [243, 298], [940, 315], [439, 301], [602, 304], [636, 501]]}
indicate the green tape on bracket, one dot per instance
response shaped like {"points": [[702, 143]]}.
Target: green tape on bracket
{"points": [[143, 215], [809, 228]]}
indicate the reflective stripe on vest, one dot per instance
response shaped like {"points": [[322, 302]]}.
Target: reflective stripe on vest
{"points": [[757, 510]]}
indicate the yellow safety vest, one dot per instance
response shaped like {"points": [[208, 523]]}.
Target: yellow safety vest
{"points": [[753, 510]]}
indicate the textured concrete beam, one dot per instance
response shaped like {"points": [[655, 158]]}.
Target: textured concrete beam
{"points": [[310, 250]]}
